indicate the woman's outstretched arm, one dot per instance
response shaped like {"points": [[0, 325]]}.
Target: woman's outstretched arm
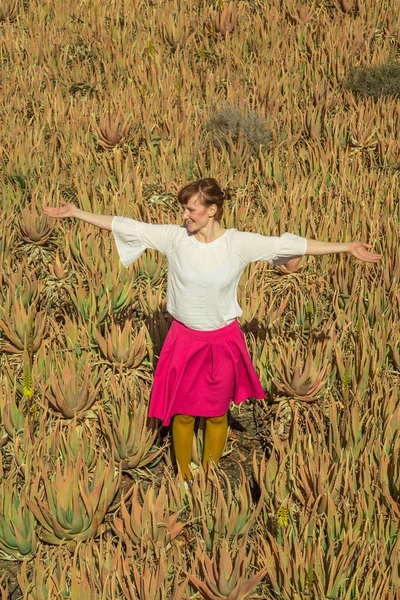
{"points": [[70, 210], [357, 249], [316, 248]]}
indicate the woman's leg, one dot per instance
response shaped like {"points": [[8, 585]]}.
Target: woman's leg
{"points": [[215, 438], [182, 439]]}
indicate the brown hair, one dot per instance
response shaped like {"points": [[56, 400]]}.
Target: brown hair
{"points": [[209, 193]]}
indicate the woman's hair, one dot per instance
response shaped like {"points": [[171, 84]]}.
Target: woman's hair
{"points": [[209, 193]]}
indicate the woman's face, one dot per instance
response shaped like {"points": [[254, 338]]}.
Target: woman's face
{"points": [[195, 215]]}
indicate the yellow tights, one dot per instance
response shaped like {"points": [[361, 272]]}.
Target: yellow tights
{"points": [[182, 439]]}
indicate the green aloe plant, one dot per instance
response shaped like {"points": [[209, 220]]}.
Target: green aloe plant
{"points": [[89, 306], [71, 503], [12, 411], [17, 523]]}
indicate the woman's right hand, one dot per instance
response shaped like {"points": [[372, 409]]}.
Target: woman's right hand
{"points": [[67, 210]]}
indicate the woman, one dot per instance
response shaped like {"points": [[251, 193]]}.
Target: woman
{"points": [[204, 363]]}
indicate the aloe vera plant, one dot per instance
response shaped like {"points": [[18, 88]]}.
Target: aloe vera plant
{"points": [[21, 322], [308, 377], [112, 131], [220, 517], [18, 536], [149, 267], [88, 248], [148, 520], [121, 346], [48, 578], [149, 582], [90, 308], [131, 441], [73, 502], [13, 413], [223, 574], [35, 228], [120, 287], [72, 386], [71, 440], [23, 285], [58, 269]]}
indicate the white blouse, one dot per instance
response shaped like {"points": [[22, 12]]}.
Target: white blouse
{"points": [[203, 278]]}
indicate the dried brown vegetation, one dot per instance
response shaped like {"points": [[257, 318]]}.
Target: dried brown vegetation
{"points": [[304, 129]]}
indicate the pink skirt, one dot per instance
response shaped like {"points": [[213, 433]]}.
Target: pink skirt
{"points": [[200, 372]]}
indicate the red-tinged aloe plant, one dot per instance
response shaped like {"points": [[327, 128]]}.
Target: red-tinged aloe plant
{"points": [[224, 573], [89, 248], [17, 523], [67, 440], [22, 285], [9, 10], [224, 20], [112, 131], [122, 345], [48, 578], [119, 284], [70, 505], [221, 517], [75, 439], [88, 305], [316, 474], [149, 519], [390, 414], [149, 581], [178, 34], [308, 377], [306, 561], [284, 575], [151, 301], [393, 343], [130, 439], [273, 478], [71, 338], [35, 227], [389, 472], [58, 269], [72, 386], [20, 322], [94, 566], [26, 451]]}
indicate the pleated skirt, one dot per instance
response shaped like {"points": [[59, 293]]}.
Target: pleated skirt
{"points": [[200, 373]]}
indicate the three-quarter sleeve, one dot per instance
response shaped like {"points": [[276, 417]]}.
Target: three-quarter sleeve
{"points": [[133, 237], [276, 250]]}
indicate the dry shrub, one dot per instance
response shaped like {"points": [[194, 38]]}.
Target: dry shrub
{"points": [[378, 82], [229, 120]]}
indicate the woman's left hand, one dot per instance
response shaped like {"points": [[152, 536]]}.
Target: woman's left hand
{"points": [[357, 249]]}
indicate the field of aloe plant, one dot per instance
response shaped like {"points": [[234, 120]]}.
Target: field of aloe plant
{"points": [[115, 106]]}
